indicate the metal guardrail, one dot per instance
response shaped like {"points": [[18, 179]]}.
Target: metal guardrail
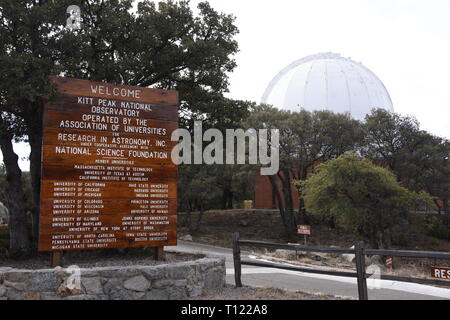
{"points": [[359, 251]]}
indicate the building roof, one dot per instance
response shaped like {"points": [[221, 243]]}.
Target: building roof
{"points": [[327, 81]]}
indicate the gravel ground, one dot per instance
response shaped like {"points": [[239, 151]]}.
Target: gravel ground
{"points": [[250, 293], [91, 259]]}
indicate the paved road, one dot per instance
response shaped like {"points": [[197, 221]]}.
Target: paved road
{"points": [[291, 280]]}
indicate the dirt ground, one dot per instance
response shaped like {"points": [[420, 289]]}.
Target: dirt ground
{"points": [[250, 293], [217, 227]]}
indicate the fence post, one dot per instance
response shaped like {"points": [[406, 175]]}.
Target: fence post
{"points": [[237, 259], [361, 270]]}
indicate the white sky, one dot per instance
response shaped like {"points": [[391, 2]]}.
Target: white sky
{"points": [[404, 42]]}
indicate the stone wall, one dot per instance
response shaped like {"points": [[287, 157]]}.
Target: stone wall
{"points": [[161, 282]]}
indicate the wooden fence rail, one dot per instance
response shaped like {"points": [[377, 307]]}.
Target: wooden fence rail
{"points": [[359, 251]]}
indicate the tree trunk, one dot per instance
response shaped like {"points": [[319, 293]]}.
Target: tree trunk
{"points": [[302, 208], [224, 199], [438, 206], [230, 201], [274, 196], [227, 199], [199, 219], [19, 239], [288, 202], [35, 138], [286, 218], [187, 221]]}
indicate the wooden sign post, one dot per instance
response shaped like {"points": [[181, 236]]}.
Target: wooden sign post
{"points": [[107, 176], [305, 230], [56, 259]]}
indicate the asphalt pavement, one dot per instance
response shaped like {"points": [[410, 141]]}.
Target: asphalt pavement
{"points": [[313, 283]]}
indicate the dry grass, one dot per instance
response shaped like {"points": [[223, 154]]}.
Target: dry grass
{"points": [[252, 293], [218, 225], [404, 267]]}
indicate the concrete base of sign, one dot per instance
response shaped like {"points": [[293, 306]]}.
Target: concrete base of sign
{"points": [[161, 282]]}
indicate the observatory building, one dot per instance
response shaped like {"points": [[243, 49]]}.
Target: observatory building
{"points": [[327, 81], [324, 81]]}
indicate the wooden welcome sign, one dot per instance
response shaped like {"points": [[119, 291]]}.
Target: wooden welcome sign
{"points": [[107, 176]]}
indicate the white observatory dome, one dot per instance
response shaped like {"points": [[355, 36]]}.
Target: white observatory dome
{"points": [[328, 81]]}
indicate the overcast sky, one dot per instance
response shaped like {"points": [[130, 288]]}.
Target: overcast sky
{"points": [[404, 42]]}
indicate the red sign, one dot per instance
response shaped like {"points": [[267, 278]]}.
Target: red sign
{"points": [[305, 230], [389, 262], [440, 273]]}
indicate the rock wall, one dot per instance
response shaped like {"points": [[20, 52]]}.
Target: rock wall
{"points": [[161, 282]]}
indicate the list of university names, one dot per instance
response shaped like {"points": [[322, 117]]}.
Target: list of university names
{"points": [[108, 180]]}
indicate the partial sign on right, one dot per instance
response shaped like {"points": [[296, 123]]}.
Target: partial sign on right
{"points": [[440, 273]]}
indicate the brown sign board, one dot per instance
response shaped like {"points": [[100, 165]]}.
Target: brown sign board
{"points": [[440, 273], [107, 176], [389, 261], [305, 230]]}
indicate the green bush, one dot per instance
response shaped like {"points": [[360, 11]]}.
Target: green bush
{"points": [[439, 229], [364, 199], [432, 225]]}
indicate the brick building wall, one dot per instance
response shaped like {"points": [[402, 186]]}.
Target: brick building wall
{"points": [[264, 197]]}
